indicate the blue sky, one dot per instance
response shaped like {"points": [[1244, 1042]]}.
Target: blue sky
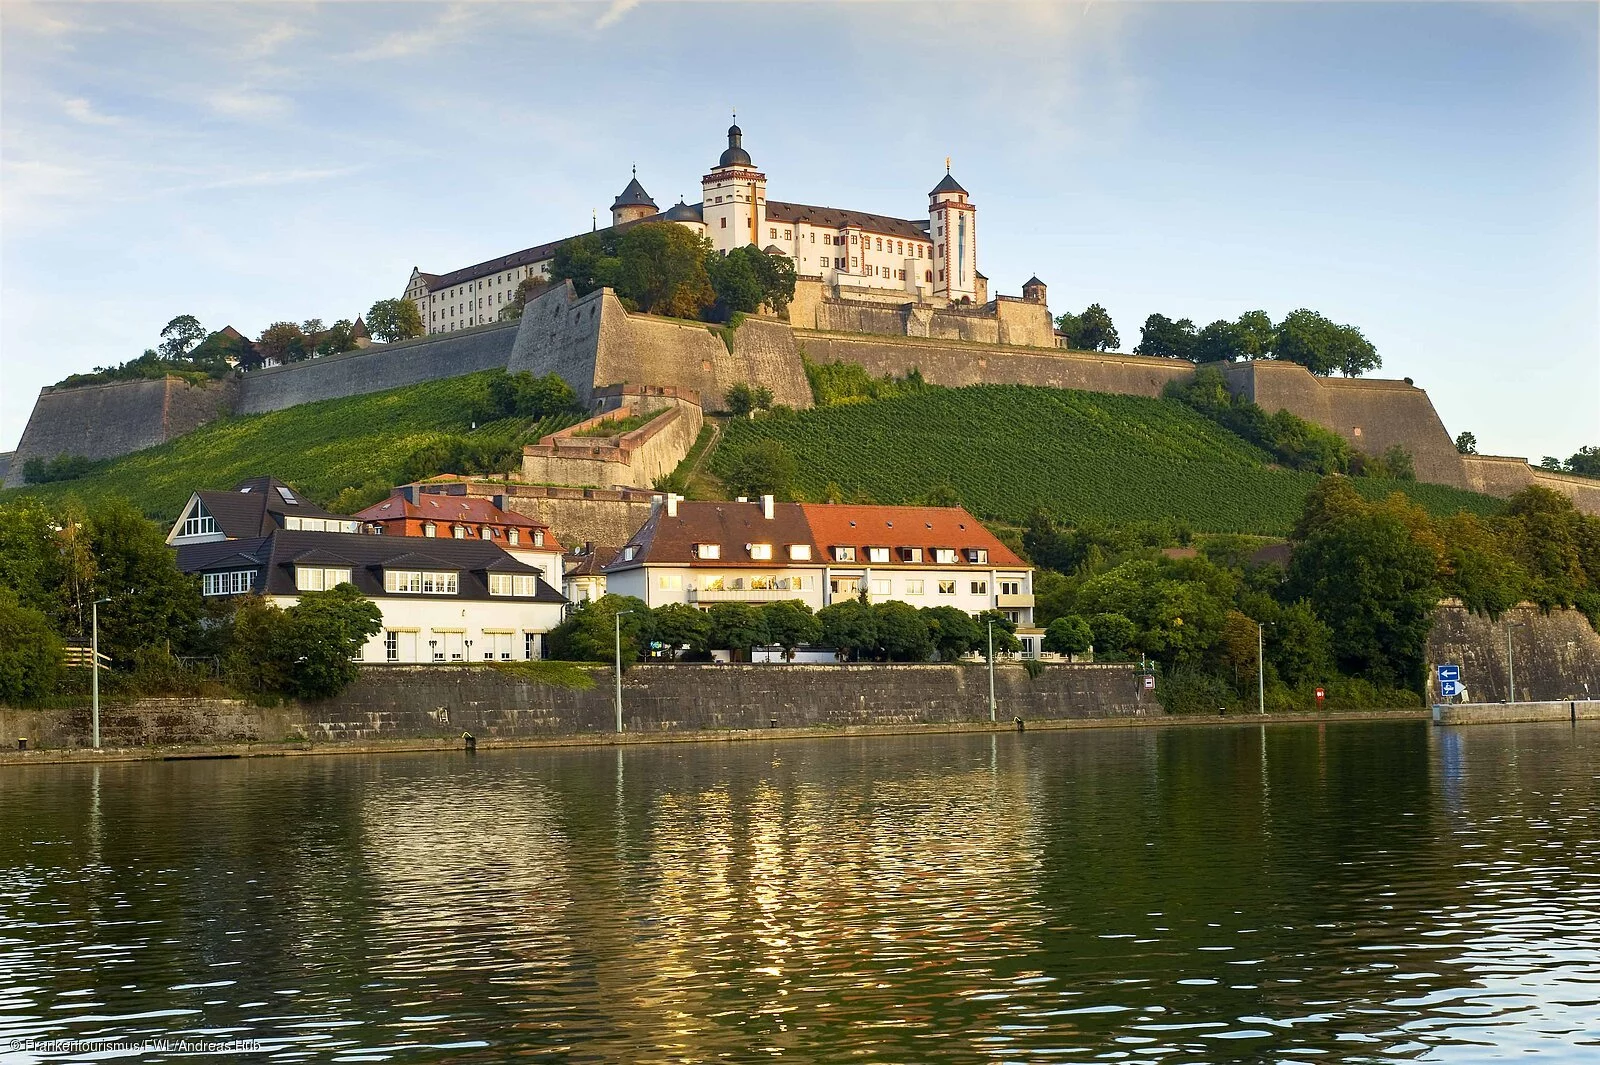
{"points": [[1428, 172]]}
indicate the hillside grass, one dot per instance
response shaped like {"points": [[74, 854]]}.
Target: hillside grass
{"points": [[318, 448], [1008, 449]]}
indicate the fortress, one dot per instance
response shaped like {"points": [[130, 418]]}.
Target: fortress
{"points": [[891, 294]]}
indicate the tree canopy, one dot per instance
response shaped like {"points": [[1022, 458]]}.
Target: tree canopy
{"points": [[392, 320], [1092, 330]]}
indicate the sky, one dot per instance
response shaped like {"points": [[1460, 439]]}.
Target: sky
{"points": [[1428, 172]]}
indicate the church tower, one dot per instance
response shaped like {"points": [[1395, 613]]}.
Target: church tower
{"points": [[734, 198], [953, 225], [632, 203]]}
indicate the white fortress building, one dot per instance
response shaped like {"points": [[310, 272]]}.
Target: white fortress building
{"points": [[932, 260]]}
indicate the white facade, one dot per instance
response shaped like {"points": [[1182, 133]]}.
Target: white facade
{"points": [[452, 630], [470, 302]]}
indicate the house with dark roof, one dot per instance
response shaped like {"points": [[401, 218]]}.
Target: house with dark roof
{"points": [[702, 553], [412, 511], [452, 598], [869, 254]]}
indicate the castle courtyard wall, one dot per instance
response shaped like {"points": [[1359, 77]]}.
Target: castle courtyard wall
{"points": [[633, 460]]}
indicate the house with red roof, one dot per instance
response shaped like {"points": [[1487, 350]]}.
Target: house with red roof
{"points": [[413, 511]]}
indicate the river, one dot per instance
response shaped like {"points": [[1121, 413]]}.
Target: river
{"points": [[1316, 893]]}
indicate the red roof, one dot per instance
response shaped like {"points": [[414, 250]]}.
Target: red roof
{"points": [[850, 525], [451, 508]]}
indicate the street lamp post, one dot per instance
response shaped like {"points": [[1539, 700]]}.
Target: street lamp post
{"points": [[618, 619], [1511, 667], [991, 669], [1261, 672], [94, 664]]}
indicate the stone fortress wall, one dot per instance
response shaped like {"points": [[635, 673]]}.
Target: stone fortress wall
{"points": [[594, 343], [628, 460]]}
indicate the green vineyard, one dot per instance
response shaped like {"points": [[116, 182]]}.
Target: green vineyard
{"points": [[320, 448], [1008, 449]]}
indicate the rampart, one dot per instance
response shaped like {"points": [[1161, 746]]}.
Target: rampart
{"points": [[604, 515], [1501, 475], [104, 421], [431, 702], [633, 459], [1554, 655]]}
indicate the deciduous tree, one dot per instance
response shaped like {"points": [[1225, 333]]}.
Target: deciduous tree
{"points": [[736, 627], [394, 319], [1068, 635], [790, 625], [902, 632]]}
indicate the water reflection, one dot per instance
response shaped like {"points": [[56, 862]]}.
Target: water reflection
{"points": [[1346, 892]]}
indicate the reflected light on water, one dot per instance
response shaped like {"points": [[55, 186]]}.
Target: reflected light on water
{"points": [[1354, 892]]}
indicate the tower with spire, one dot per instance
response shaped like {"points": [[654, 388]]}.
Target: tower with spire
{"points": [[632, 203], [734, 197], [953, 225]]}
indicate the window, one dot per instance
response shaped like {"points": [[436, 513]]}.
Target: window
{"points": [[772, 233], [391, 646], [427, 582], [512, 536], [845, 586], [513, 584], [724, 221], [629, 552], [877, 554], [707, 550], [670, 582], [979, 555], [944, 556], [947, 587], [799, 552], [1010, 587], [428, 528], [338, 525], [852, 262], [844, 554], [881, 587], [880, 243], [761, 551], [199, 523], [458, 531], [319, 578], [785, 234], [486, 533], [712, 584], [234, 582], [852, 238], [980, 587], [529, 645], [288, 496], [914, 587]]}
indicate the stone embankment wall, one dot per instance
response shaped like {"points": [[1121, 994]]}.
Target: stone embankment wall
{"points": [[631, 460], [1556, 656], [420, 702], [105, 421], [1499, 475]]}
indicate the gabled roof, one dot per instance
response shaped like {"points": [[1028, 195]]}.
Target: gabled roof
{"points": [[588, 563], [1034, 280], [947, 184], [838, 218], [367, 557], [849, 525], [257, 507], [441, 508], [672, 540]]}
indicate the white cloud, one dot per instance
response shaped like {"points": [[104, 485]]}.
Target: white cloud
{"points": [[272, 38], [45, 20], [249, 104], [450, 25], [81, 110], [614, 13]]}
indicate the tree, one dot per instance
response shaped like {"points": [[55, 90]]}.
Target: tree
{"points": [[311, 327], [1467, 444], [1323, 346], [1113, 634], [393, 320], [776, 275], [339, 338], [1162, 337], [180, 336], [736, 627], [764, 468], [661, 269], [1092, 330], [1069, 635], [790, 625], [152, 602], [1479, 570], [1256, 334], [30, 652], [740, 400], [522, 395], [1005, 632], [952, 631], [282, 342], [1300, 646], [588, 633], [527, 289], [1221, 341], [1239, 648], [1585, 462], [323, 638], [902, 632], [679, 626], [943, 494], [849, 627]]}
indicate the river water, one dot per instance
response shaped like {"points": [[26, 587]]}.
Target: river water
{"points": [[1347, 892]]}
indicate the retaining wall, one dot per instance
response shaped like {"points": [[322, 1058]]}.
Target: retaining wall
{"points": [[574, 514], [1555, 655], [633, 459], [420, 702], [1503, 476], [1514, 713]]}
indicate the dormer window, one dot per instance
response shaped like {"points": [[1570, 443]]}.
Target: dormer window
{"points": [[429, 529], [877, 554], [513, 537], [629, 553], [799, 552], [911, 554], [707, 551], [458, 531], [944, 556], [761, 552], [538, 538], [978, 555], [844, 554]]}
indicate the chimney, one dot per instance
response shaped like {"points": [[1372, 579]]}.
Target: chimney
{"points": [[672, 504], [409, 491], [766, 507], [499, 500]]}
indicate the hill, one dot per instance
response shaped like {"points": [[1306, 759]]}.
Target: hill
{"points": [[322, 449], [1008, 449]]}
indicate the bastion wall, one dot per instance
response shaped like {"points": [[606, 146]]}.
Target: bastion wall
{"points": [[1554, 655]]}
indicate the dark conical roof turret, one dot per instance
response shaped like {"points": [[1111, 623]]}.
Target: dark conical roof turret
{"points": [[634, 195], [947, 184]]}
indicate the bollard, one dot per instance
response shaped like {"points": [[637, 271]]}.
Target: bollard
{"points": [[1574, 711], [469, 741], [1222, 711], [22, 741], [1020, 726], [773, 723]]}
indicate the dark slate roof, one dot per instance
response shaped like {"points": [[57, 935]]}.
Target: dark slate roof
{"points": [[683, 212], [633, 196], [735, 155], [275, 556], [257, 507], [948, 184], [838, 218], [1034, 280]]}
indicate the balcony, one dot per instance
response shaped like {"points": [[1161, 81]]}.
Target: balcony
{"points": [[1014, 602], [743, 595]]}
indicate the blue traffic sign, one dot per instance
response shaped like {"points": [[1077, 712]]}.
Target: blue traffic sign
{"points": [[1450, 673], [1449, 680]]}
